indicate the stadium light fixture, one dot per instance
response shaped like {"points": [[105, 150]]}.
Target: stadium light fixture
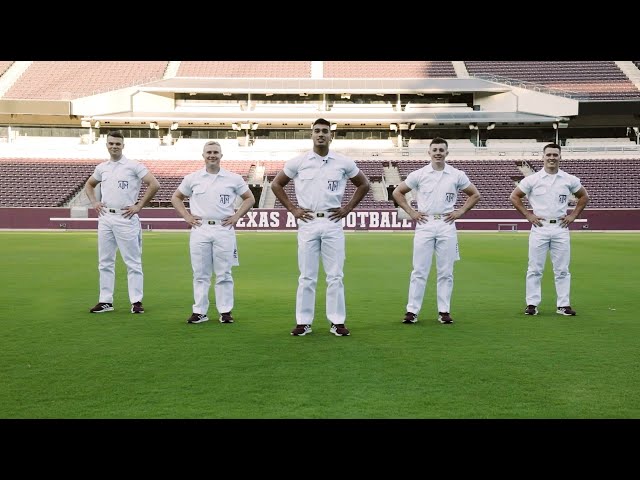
{"points": [[174, 126], [85, 124], [491, 126], [393, 127], [333, 127], [97, 125], [235, 126], [473, 126], [346, 95], [254, 126], [154, 126]]}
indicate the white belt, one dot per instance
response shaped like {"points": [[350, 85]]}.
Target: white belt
{"points": [[437, 216], [210, 221]]}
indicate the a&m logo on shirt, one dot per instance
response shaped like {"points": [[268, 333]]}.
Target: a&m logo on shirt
{"points": [[123, 184], [332, 185], [562, 198], [449, 197], [225, 198]]}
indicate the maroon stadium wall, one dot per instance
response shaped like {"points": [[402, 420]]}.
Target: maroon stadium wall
{"points": [[281, 220]]}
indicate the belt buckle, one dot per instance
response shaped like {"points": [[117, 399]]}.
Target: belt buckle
{"points": [[437, 217], [553, 221], [211, 222], [320, 214], [112, 210]]}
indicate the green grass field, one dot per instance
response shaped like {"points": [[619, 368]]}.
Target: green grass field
{"points": [[59, 361]]}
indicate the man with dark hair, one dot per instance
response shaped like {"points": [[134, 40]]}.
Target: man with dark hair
{"points": [[119, 227], [549, 192], [436, 185], [320, 177]]}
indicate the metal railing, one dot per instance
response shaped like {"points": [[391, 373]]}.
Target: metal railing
{"points": [[535, 87]]}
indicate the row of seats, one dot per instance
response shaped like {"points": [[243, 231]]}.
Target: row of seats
{"points": [[41, 183], [330, 69], [605, 180], [56, 80], [389, 69], [54, 183], [593, 79], [245, 69]]}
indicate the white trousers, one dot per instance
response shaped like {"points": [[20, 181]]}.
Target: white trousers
{"points": [[553, 239], [212, 249], [317, 238], [125, 234], [441, 238]]}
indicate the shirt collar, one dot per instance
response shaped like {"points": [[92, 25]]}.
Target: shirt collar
{"points": [[559, 174], [221, 173], [447, 168], [122, 160], [311, 155]]}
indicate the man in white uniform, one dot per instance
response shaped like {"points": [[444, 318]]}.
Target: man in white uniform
{"points": [[436, 185], [549, 192], [212, 193], [119, 227], [320, 178]]}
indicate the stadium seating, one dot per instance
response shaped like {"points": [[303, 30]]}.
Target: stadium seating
{"points": [[42, 180], [244, 69], [43, 183], [605, 180], [53, 80], [55, 182], [388, 69], [596, 80]]}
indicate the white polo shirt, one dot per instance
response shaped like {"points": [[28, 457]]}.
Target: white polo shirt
{"points": [[437, 191], [120, 181], [549, 194], [212, 195], [320, 181]]}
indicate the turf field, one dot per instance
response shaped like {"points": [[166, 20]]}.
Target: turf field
{"points": [[59, 361]]}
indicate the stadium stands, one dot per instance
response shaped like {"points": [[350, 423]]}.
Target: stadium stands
{"points": [[388, 69], [243, 69], [601, 80], [43, 183], [44, 80], [605, 180], [44, 167], [55, 182]]}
